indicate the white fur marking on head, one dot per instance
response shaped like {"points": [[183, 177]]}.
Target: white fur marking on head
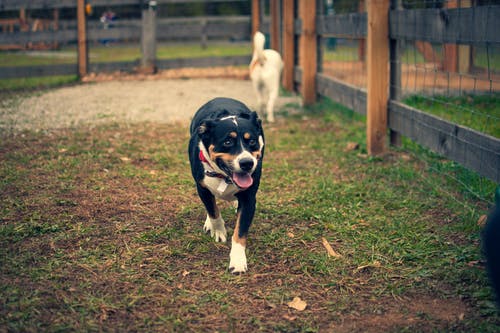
{"points": [[232, 118]]}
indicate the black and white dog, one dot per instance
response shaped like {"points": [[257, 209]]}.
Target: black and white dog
{"points": [[225, 151]]}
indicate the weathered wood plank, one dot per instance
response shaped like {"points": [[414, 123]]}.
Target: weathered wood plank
{"points": [[203, 62], [343, 25], [474, 150], [37, 71], [38, 36], [377, 55], [170, 29], [109, 67], [288, 43], [475, 25], [308, 60], [350, 96], [461, 25], [43, 4]]}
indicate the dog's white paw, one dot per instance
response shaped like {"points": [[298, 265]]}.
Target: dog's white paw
{"points": [[237, 259], [216, 228]]}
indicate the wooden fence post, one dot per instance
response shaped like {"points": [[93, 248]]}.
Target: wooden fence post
{"points": [[288, 51], [275, 25], [362, 41], [395, 89], [450, 57], [464, 51], [255, 16], [308, 50], [83, 56], [378, 75], [148, 38]]}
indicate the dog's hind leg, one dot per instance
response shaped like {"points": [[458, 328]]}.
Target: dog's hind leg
{"points": [[273, 95], [260, 94], [214, 222]]}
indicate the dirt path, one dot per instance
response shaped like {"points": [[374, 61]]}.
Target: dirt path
{"points": [[161, 101]]}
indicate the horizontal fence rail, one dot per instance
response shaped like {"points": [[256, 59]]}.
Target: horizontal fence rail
{"points": [[341, 92], [44, 4], [475, 25], [474, 150], [221, 27], [344, 25]]}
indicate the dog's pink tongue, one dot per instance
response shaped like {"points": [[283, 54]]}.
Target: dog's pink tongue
{"points": [[243, 180]]}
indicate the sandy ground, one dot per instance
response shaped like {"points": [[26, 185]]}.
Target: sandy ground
{"points": [[161, 101]]}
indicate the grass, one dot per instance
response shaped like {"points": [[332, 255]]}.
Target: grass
{"points": [[101, 53], [122, 52], [92, 241], [480, 112]]}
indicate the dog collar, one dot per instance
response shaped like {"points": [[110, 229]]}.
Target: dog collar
{"points": [[202, 157], [212, 173]]}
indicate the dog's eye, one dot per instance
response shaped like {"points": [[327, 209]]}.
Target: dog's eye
{"points": [[252, 142], [228, 143]]}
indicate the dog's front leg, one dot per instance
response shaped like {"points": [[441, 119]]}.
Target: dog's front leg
{"points": [[214, 222], [237, 256]]}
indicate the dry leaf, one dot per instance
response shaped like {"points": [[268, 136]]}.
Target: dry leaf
{"points": [[482, 220], [185, 273], [289, 234], [290, 318], [270, 305], [473, 263], [375, 264], [329, 249], [125, 159], [351, 146], [297, 304]]}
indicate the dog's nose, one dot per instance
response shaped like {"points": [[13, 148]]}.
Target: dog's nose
{"points": [[246, 164]]}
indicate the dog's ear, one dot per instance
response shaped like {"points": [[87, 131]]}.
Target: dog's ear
{"points": [[205, 127], [254, 118]]}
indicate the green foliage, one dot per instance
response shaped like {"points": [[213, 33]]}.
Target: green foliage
{"points": [[479, 112]]}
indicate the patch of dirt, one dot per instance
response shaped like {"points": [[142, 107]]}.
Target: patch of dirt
{"points": [[421, 311], [426, 77], [166, 97]]}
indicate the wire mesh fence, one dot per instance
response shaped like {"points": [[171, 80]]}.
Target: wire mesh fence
{"points": [[454, 74]]}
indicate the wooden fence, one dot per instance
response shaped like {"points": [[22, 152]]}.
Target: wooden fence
{"points": [[384, 25], [297, 28], [146, 31]]}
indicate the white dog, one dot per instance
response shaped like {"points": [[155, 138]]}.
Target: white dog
{"points": [[265, 73]]}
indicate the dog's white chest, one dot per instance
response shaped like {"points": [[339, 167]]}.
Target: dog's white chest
{"points": [[220, 188]]}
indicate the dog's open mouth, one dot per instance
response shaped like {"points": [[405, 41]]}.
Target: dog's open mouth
{"points": [[242, 179]]}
